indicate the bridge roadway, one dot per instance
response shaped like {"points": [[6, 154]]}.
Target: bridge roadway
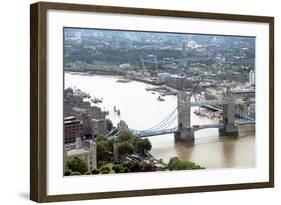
{"points": [[174, 129], [208, 102], [193, 128], [162, 129]]}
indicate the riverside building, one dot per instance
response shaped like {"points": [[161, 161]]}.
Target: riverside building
{"points": [[72, 129]]}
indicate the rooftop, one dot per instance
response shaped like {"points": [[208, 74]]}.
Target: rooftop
{"points": [[68, 122], [69, 118]]}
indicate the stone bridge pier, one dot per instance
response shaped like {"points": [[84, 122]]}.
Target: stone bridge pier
{"points": [[184, 106], [185, 133], [230, 129]]}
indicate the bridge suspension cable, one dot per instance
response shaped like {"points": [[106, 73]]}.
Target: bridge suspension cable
{"points": [[165, 124], [163, 121], [243, 115], [162, 125]]}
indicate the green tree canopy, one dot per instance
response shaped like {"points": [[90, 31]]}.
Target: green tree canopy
{"points": [[77, 164], [125, 170], [105, 171], [176, 164], [125, 136], [102, 150], [105, 168], [142, 145], [116, 168], [101, 138], [133, 166], [125, 148], [95, 171], [67, 172], [111, 142]]}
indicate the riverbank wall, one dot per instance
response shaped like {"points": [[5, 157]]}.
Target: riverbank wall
{"points": [[247, 129]]}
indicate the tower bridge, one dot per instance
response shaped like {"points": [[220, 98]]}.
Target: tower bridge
{"points": [[184, 131]]}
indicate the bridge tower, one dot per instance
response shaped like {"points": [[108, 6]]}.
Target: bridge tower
{"points": [[184, 132], [230, 129]]}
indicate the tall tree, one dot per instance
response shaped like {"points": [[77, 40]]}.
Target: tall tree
{"points": [[125, 136], [142, 145], [77, 164], [102, 150], [125, 148]]}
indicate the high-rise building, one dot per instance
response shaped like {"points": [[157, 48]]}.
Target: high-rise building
{"points": [[252, 77]]}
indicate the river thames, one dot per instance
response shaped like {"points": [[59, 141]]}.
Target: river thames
{"points": [[141, 110]]}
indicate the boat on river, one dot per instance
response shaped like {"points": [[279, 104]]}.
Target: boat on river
{"points": [[96, 100], [218, 114], [160, 98], [123, 80]]}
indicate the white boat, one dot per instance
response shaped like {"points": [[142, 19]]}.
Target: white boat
{"points": [[96, 100], [217, 114], [122, 80], [160, 98]]}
